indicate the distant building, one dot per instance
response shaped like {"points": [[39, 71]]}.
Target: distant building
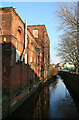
{"points": [[52, 65], [69, 66], [53, 70]]}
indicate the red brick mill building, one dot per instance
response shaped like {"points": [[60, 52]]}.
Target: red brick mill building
{"points": [[25, 56]]}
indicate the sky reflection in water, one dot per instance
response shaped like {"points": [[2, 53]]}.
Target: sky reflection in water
{"points": [[54, 101], [61, 103]]}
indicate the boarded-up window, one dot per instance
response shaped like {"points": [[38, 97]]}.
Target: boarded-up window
{"points": [[17, 55], [35, 33]]}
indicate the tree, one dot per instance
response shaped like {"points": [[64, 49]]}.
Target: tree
{"points": [[68, 48]]}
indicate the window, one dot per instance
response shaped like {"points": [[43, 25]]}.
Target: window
{"points": [[19, 31], [35, 33], [25, 58], [17, 55], [30, 59], [19, 34], [34, 60], [44, 74], [37, 60], [4, 39]]}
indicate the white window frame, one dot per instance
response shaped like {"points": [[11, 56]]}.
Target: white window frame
{"points": [[30, 59], [17, 55], [34, 60], [35, 33], [25, 58], [16, 44]]}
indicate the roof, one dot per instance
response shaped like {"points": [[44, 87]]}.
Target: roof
{"points": [[36, 25]]}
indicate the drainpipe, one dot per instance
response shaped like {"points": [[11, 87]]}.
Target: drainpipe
{"points": [[25, 47], [25, 41], [26, 61], [26, 55]]}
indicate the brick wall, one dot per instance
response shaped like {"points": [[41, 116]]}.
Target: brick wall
{"points": [[12, 72], [44, 41], [6, 68], [18, 75]]}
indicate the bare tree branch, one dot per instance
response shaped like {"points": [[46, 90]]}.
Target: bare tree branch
{"points": [[67, 48]]}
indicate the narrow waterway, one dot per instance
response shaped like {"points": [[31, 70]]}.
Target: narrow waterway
{"points": [[54, 101]]}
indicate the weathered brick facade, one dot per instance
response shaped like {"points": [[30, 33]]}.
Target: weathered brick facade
{"points": [[22, 66], [12, 72], [33, 58], [44, 41]]}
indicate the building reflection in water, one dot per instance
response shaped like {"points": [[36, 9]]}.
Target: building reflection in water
{"points": [[54, 101], [42, 108]]}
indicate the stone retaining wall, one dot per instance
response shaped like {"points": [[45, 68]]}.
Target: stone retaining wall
{"points": [[72, 80]]}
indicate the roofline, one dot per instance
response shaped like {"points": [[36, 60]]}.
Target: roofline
{"points": [[5, 7], [40, 25], [30, 32], [14, 11], [23, 22], [36, 25]]}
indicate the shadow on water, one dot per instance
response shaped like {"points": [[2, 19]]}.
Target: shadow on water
{"points": [[54, 101], [74, 96]]}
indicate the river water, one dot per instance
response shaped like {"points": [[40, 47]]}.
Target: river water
{"points": [[54, 101]]}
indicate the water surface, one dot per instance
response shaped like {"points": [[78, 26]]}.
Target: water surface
{"points": [[54, 101]]}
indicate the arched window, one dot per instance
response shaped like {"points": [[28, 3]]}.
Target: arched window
{"points": [[19, 35], [19, 31]]}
